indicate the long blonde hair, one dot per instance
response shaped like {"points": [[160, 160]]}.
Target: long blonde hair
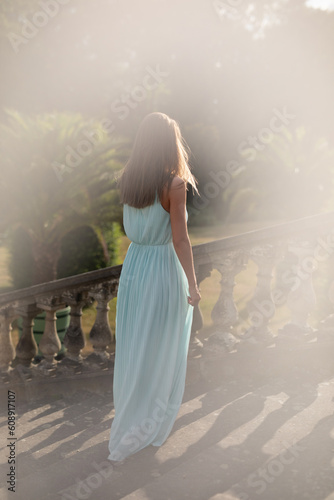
{"points": [[159, 154]]}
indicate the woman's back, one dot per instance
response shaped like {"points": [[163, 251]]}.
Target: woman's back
{"points": [[147, 226]]}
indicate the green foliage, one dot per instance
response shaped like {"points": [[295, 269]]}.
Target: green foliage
{"points": [[290, 178], [200, 218], [55, 184], [227, 65], [112, 236], [21, 259], [81, 251], [11, 12]]}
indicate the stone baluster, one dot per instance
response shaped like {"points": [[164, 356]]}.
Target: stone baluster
{"points": [[50, 343], [26, 348], [202, 271], [225, 314], [326, 326], [7, 351], [301, 298], [262, 305], [101, 335], [74, 339], [324, 252]]}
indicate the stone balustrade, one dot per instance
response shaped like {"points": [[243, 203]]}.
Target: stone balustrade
{"points": [[77, 291], [289, 252]]}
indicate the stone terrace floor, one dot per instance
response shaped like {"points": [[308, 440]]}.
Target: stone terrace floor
{"points": [[254, 424]]}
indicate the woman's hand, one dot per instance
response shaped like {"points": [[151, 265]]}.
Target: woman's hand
{"points": [[195, 296]]}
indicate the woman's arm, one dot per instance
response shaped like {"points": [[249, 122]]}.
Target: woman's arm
{"points": [[181, 242]]}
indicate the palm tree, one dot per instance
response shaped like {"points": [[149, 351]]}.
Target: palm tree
{"points": [[57, 174]]}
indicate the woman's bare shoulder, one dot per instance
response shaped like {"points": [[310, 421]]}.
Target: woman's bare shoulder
{"points": [[173, 192], [177, 182]]}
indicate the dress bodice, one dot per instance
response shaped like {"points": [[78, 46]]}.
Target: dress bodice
{"points": [[150, 225]]}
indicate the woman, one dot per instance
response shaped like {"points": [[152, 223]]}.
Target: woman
{"points": [[157, 290]]}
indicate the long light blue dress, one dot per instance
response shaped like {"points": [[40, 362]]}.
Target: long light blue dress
{"points": [[153, 325]]}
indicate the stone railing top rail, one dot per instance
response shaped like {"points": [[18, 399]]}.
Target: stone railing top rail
{"points": [[297, 227], [78, 281]]}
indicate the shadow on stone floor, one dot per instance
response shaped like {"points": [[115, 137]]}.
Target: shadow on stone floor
{"points": [[254, 424]]}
